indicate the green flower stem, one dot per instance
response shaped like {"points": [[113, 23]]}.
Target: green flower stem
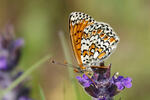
{"points": [[41, 93], [68, 58], [24, 76], [66, 53]]}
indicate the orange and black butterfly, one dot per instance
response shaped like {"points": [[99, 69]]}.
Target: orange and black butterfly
{"points": [[92, 41]]}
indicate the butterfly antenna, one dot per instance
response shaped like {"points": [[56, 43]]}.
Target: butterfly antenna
{"points": [[63, 64]]}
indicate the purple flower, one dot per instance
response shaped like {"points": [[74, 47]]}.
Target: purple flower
{"points": [[101, 86], [5, 80], [84, 80], [24, 98], [10, 52], [3, 62], [98, 99], [122, 82]]}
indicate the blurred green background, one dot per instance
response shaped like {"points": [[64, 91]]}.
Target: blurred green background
{"points": [[39, 21]]}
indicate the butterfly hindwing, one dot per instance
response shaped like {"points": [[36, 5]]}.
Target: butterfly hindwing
{"points": [[99, 44]]}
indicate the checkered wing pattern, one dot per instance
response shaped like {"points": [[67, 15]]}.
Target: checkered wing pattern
{"points": [[98, 43], [77, 23], [92, 41]]}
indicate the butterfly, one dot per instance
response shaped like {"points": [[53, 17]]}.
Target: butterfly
{"points": [[92, 41]]}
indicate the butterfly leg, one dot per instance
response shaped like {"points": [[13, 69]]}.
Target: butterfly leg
{"points": [[91, 80]]}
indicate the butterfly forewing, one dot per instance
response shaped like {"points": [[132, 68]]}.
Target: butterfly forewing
{"points": [[77, 23]]}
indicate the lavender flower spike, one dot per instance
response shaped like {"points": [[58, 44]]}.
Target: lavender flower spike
{"points": [[10, 52], [101, 86]]}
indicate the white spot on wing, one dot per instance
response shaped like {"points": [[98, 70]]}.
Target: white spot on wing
{"points": [[95, 55]]}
